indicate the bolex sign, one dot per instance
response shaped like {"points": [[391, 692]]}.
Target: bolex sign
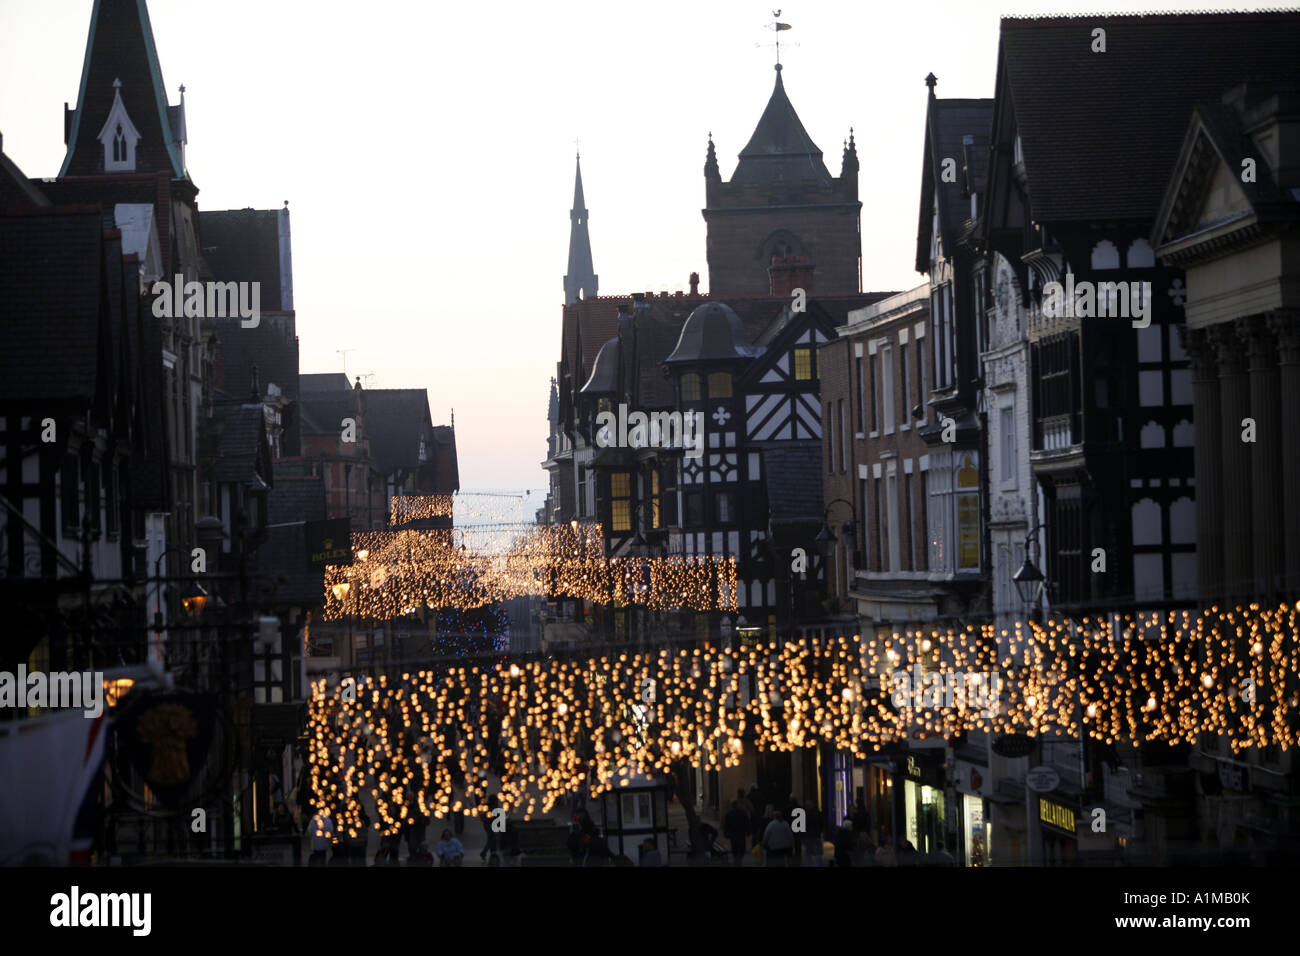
{"points": [[329, 542]]}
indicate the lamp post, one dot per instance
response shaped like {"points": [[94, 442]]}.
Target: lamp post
{"points": [[1028, 579], [826, 539]]}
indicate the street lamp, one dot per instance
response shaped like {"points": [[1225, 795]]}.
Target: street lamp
{"points": [[825, 540], [1028, 578]]}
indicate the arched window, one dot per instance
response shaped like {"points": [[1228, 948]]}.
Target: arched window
{"points": [[1105, 255]]}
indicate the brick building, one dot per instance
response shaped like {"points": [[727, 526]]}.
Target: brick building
{"points": [[782, 202]]}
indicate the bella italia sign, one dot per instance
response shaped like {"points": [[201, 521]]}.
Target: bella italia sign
{"points": [[329, 542]]}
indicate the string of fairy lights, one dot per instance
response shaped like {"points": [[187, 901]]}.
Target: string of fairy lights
{"points": [[395, 573], [528, 732]]}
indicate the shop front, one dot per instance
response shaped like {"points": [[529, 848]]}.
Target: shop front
{"points": [[972, 788], [1057, 820], [920, 811]]}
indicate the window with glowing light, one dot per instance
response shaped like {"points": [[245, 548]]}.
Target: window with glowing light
{"points": [[690, 387]]}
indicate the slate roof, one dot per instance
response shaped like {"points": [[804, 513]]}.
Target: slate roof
{"points": [[396, 418], [323, 382], [271, 345], [243, 245], [948, 122], [16, 190], [780, 149], [322, 413], [1100, 131], [240, 447], [120, 47], [50, 301], [284, 553], [793, 479]]}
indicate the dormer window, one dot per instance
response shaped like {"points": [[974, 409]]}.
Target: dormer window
{"points": [[119, 136]]}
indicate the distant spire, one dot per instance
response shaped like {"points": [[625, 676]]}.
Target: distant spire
{"points": [[711, 161], [931, 81], [581, 280], [850, 161]]}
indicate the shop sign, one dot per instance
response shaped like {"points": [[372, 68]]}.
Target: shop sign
{"points": [[1056, 816], [971, 778], [1042, 779]]}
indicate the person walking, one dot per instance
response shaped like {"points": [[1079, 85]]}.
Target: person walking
{"points": [[844, 842], [322, 836], [816, 825], [778, 840], [491, 845], [736, 827]]}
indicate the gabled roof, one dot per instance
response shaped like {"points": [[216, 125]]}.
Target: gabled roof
{"points": [[780, 150], [1213, 151], [947, 124], [323, 412], [120, 47], [1100, 131], [16, 190], [396, 421], [446, 465], [243, 452]]}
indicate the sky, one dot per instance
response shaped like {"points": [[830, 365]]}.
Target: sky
{"points": [[427, 154]]}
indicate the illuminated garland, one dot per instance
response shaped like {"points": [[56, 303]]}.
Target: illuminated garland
{"points": [[438, 739], [417, 507], [396, 572]]}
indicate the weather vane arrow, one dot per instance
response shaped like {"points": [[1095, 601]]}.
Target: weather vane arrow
{"points": [[777, 27]]}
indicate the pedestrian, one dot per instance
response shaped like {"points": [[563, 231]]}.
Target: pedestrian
{"points": [[778, 840], [907, 855], [421, 856], [735, 825], [815, 824], [322, 836], [861, 819], [746, 805], [844, 843], [791, 806], [650, 855], [885, 855], [759, 818], [491, 844], [451, 852]]}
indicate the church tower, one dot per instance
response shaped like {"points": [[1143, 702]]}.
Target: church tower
{"points": [[581, 280], [782, 208], [123, 123]]}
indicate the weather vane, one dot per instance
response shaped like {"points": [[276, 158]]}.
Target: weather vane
{"points": [[776, 27]]}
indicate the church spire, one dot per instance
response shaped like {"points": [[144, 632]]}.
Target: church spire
{"points": [[581, 281], [122, 122]]}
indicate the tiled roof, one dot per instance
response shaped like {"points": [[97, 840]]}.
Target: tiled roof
{"points": [[446, 467], [793, 479], [948, 123], [50, 287], [396, 419], [1100, 131], [243, 435], [284, 553], [271, 345], [322, 413], [323, 382], [780, 149]]}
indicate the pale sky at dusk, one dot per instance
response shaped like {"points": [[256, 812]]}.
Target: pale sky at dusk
{"points": [[426, 151]]}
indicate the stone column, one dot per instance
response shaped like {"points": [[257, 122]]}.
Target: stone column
{"points": [[1285, 325], [1207, 455], [1234, 406], [1266, 456]]}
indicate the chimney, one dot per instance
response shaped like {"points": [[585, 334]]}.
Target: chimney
{"points": [[695, 283], [788, 273]]}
